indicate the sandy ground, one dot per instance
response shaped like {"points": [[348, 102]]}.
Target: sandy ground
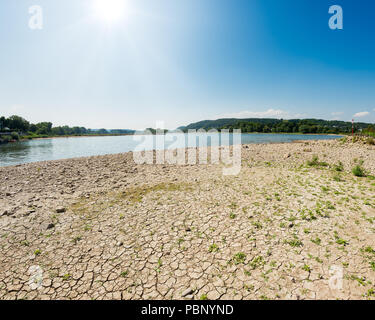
{"points": [[106, 228]]}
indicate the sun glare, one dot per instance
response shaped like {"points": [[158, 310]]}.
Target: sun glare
{"points": [[109, 10]]}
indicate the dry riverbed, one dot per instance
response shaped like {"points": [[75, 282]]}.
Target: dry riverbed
{"points": [[106, 228]]}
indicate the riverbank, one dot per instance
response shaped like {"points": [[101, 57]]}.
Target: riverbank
{"points": [[38, 137], [74, 136], [42, 137], [106, 228]]}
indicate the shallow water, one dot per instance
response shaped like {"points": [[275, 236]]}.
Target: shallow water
{"points": [[64, 148]]}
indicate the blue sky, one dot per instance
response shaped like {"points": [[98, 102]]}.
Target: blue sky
{"points": [[185, 61]]}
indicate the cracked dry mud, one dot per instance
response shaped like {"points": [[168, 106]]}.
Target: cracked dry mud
{"points": [[106, 228]]}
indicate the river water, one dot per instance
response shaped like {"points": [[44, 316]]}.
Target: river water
{"points": [[64, 148]]}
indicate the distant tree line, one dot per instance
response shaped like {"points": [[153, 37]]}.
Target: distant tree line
{"points": [[304, 126], [16, 125], [20, 125]]}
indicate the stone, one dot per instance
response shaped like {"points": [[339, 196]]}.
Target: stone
{"points": [[187, 292], [50, 226], [60, 210]]}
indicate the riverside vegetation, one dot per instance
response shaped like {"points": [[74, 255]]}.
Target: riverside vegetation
{"points": [[106, 228], [18, 127]]}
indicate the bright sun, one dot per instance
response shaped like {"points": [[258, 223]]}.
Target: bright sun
{"points": [[109, 10]]}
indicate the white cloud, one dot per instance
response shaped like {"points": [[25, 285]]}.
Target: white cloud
{"points": [[361, 114], [270, 113]]}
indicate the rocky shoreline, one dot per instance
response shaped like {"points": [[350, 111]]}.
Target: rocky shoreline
{"points": [[106, 228]]}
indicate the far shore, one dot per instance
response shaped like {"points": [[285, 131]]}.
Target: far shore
{"points": [[119, 135]]}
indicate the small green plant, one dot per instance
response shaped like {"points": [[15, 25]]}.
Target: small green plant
{"points": [[306, 268], [314, 162], [369, 250], [232, 216], [342, 242], [75, 240], [317, 241], [158, 268], [307, 214], [358, 171], [213, 248], [66, 277], [203, 297], [239, 258], [256, 262], [124, 273], [257, 225], [360, 281], [339, 167], [337, 178], [25, 243], [317, 259], [233, 206], [295, 243], [37, 252], [370, 293]]}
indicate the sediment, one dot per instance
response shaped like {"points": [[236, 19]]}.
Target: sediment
{"points": [[106, 228]]}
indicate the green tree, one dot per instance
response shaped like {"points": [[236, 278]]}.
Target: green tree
{"points": [[44, 128], [17, 123], [304, 128], [2, 123]]}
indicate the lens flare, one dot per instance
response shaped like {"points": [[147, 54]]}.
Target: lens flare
{"points": [[110, 10]]}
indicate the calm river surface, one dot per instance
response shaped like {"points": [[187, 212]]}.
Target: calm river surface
{"points": [[64, 148]]}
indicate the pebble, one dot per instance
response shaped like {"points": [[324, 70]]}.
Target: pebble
{"points": [[60, 210], [187, 292], [50, 226]]}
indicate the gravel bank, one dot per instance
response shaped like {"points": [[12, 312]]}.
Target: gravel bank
{"points": [[106, 228]]}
